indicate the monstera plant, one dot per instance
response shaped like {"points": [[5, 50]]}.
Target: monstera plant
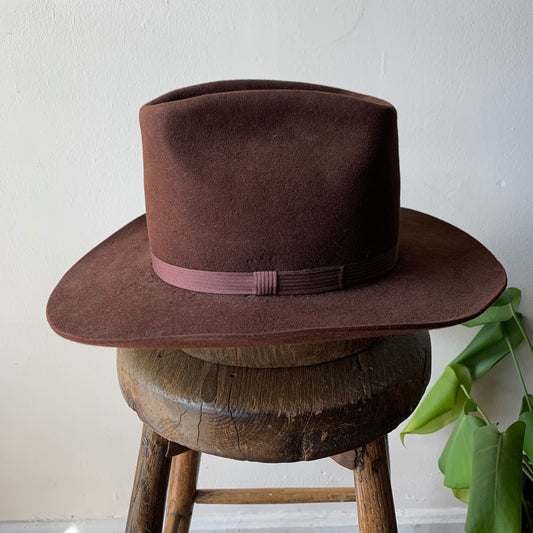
{"points": [[486, 467]]}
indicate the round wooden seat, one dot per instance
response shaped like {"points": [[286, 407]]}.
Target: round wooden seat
{"points": [[277, 414]]}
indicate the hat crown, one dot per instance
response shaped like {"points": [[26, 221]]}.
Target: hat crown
{"points": [[246, 176]]}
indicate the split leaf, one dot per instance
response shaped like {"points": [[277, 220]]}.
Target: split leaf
{"points": [[455, 461], [489, 346], [525, 406], [527, 418], [495, 487], [443, 403], [499, 311]]}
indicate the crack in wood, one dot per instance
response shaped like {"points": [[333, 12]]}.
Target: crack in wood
{"points": [[199, 423], [230, 410]]}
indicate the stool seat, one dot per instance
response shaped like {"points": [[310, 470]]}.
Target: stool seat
{"points": [[277, 414]]}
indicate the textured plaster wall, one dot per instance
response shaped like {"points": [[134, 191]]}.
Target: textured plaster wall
{"points": [[72, 77]]}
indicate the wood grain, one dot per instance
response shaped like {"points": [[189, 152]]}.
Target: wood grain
{"points": [[181, 492], [147, 504], [276, 495], [173, 448], [277, 414], [375, 506], [347, 459], [282, 355]]}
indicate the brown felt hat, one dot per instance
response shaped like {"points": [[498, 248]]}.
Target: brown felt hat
{"points": [[272, 216]]}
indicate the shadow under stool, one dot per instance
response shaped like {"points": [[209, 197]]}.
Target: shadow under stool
{"points": [[334, 407]]}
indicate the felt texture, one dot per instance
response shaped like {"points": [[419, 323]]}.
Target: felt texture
{"points": [[281, 176], [254, 175], [112, 297]]}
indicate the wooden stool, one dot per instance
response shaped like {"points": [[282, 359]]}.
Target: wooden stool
{"points": [[341, 409]]}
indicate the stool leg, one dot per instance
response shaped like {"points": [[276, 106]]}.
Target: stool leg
{"points": [[375, 507], [147, 504], [182, 491]]}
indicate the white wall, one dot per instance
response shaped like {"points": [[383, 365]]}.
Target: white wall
{"points": [[73, 76]]}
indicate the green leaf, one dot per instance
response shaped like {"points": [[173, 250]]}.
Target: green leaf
{"points": [[489, 346], [525, 406], [455, 461], [527, 418], [499, 311], [443, 403], [495, 488], [462, 494], [511, 295]]}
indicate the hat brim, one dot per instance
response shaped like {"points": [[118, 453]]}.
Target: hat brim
{"points": [[112, 297]]}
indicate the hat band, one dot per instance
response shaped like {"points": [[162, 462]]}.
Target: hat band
{"points": [[272, 282]]}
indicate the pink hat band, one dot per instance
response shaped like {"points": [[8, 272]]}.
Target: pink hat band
{"points": [[272, 282]]}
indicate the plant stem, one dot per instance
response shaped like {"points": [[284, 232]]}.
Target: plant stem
{"points": [[527, 473], [483, 415], [527, 464], [518, 371], [522, 330]]}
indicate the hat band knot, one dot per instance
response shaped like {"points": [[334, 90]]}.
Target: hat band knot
{"points": [[272, 282], [266, 282]]}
